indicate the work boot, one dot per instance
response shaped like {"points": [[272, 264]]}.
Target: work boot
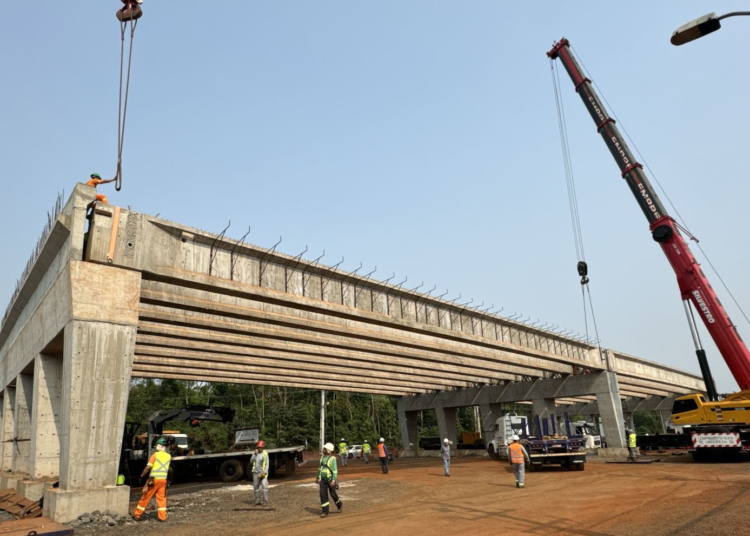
{"points": [[340, 506], [518, 484], [324, 514], [265, 503], [257, 502]]}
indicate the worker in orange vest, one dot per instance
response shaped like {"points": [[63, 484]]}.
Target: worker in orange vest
{"points": [[158, 470], [95, 181], [518, 459], [383, 455]]}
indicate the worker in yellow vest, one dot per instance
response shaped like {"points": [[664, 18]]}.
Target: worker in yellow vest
{"points": [[327, 479], [518, 459], [632, 446], [343, 452], [158, 470], [366, 450]]}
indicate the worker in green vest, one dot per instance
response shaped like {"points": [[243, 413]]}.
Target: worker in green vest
{"points": [[632, 448], [343, 452], [327, 479], [366, 450]]}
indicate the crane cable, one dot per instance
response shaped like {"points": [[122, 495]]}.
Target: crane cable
{"points": [[663, 190], [123, 105], [582, 266]]}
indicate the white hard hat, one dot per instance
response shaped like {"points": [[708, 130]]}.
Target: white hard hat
{"points": [[328, 447], [446, 440], [342, 439], [515, 437], [382, 440]]}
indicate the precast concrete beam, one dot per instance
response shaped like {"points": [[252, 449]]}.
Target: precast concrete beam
{"points": [[292, 383], [199, 340], [568, 386], [343, 368], [280, 374], [530, 359]]}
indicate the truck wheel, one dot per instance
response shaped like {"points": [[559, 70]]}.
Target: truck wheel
{"points": [[231, 471], [580, 466], [491, 451]]}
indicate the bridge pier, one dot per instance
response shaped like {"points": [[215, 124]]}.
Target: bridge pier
{"points": [[446, 419], [489, 413], [542, 393]]}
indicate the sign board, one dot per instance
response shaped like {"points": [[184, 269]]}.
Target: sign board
{"points": [[710, 440], [246, 437]]}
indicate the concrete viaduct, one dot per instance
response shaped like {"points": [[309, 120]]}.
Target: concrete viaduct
{"points": [[113, 295]]}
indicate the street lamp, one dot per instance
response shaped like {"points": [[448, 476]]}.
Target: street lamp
{"points": [[701, 26]]}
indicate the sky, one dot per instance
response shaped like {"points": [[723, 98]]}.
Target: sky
{"points": [[418, 137]]}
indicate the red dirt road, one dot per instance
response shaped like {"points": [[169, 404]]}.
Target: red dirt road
{"points": [[673, 497]]}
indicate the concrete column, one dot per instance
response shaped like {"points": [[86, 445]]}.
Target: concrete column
{"points": [[407, 421], [97, 363], [446, 418], [489, 413], [545, 408], [6, 434], [610, 409], [46, 422], [666, 418], [22, 418]]}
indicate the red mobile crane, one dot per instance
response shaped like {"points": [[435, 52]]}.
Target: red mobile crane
{"points": [[716, 423]]}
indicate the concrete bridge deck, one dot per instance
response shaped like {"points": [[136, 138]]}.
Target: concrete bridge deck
{"points": [[125, 295]]}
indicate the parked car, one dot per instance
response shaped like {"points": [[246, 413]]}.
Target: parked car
{"points": [[355, 451]]}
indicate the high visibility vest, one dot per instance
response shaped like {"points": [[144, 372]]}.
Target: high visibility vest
{"points": [[381, 450], [631, 441], [366, 448], [160, 469], [516, 453], [342, 448], [325, 467]]}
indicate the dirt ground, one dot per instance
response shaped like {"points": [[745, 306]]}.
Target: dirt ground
{"points": [[673, 497]]}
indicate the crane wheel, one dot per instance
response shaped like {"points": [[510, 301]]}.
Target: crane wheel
{"points": [[580, 466], [231, 471]]}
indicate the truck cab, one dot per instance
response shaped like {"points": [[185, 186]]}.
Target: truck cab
{"points": [[505, 428], [588, 431]]}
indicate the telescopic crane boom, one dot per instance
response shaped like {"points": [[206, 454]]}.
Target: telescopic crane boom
{"points": [[693, 284]]}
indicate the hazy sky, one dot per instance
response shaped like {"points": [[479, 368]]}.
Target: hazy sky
{"points": [[416, 136]]}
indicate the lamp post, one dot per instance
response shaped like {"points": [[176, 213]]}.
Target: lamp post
{"points": [[701, 26]]}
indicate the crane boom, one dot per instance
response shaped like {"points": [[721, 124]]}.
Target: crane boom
{"points": [[693, 284]]}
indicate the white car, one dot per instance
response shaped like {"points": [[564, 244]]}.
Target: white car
{"points": [[355, 451]]}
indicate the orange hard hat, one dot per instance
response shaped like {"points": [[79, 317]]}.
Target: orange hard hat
{"points": [[262, 444]]}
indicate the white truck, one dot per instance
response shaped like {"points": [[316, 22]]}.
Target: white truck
{"points": [[566, 451], [588, 431]]}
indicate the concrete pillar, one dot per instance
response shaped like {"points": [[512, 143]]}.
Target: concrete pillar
{"points": [[610, 409], [545, 408], [46, 421], [666, 418], [407, 421], [22, 418], [446, 418], [97, 363], [9, 404], [490, 413]]}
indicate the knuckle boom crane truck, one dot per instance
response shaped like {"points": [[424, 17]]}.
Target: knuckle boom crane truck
{"points": [[713, 422]]}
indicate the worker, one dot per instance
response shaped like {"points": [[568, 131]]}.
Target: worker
{"points": [[157, 469], [632, 448], [95, 181], [383, 455], [343, 452], [518, 459], [259, 463], [327, 480], [445, 454], [366, 451]]}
